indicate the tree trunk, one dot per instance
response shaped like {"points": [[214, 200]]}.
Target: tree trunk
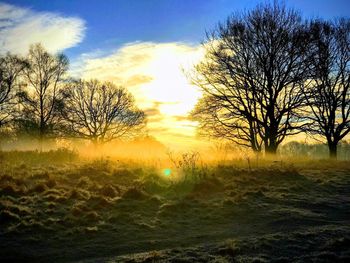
{"points": [[271, 148], [41, 140], [42, 133], [270, 142], [332, 146], [256, 149], [95, 143]]}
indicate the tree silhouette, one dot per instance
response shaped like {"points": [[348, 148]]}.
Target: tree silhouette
{"points": [[251, 78], [41, 101], [328, 93], [219, 118], [11, 67], [100, 112]]}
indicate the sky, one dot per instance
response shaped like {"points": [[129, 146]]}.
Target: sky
{"points": [[144, 45]]}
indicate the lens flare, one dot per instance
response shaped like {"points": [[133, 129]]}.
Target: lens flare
{"points": [[167, 172]]}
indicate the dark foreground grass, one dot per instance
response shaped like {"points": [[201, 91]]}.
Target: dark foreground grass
{"points": [[67, 210]]}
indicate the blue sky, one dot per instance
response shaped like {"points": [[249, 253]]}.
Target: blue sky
{"points": [[111, 23]]}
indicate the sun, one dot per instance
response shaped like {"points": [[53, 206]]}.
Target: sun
{"points": [[158, 74], [170, 86]]}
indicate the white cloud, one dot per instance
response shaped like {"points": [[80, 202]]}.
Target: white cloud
{"points": [[20, 27]]}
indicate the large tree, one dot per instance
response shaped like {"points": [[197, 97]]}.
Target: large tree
{"points": [[328, 91], [218, 118], [41, 100], [11, 67], [100, 112], [251, 77]]}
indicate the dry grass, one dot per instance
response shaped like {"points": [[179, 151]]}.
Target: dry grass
{"points": [[55, 202]]}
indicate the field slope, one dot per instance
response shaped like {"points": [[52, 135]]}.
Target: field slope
{"points": [[102, 210]]}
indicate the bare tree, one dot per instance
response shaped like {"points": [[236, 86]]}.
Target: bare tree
{"points": [[251, 77], [328, 93], [41, 101], [218, 119], [100, 112], [11, 67]]}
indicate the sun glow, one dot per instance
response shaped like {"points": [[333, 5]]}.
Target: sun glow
{"points": [[170, 85], [156, 75]]}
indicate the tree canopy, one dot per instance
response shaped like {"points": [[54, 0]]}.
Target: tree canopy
{"points": [[251, 78], [100, 111]]}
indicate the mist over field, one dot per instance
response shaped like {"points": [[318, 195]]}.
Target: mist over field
{"points": [[174, 131]]}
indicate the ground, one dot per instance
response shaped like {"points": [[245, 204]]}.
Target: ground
{"points": [[59, 206]]}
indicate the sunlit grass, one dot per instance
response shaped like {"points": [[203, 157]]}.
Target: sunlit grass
{"points": [[57, 196]]}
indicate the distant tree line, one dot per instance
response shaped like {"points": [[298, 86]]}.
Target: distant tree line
{"points": [[316, 150], [37, 98], [268, 74]]}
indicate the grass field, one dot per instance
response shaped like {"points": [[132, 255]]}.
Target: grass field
{"points": [[58, 207]]}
